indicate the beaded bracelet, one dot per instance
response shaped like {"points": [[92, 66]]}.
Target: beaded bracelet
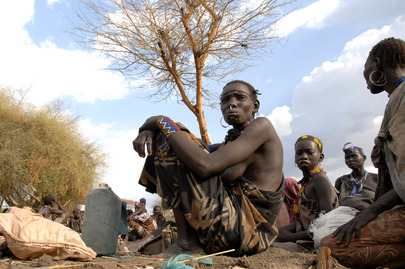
{"points": [[167, 126]]}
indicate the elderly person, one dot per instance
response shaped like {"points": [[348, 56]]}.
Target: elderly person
{"points": [[356, 189], [224, 196], [376, 236]]}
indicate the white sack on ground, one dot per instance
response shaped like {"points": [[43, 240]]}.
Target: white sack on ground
{"points": [[327, 223], [30, 236]]}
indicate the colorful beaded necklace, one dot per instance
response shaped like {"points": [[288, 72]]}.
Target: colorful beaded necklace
{"points": [[357, 186], [234, 133], [399, 81], [304, 184]]}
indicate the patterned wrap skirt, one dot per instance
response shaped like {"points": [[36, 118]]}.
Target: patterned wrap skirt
{"points": [[237, 216], [381, 243]]}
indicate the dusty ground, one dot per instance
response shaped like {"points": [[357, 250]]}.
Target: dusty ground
{"points": [[271, 258]]}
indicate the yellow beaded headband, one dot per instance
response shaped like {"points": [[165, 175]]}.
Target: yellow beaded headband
{"points": [[312, 138]]}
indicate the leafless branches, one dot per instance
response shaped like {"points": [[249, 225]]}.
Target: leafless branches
{"points": [[177, 43]]}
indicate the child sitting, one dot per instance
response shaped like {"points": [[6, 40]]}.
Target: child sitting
{"points": [[316, 195], [75, 222]]}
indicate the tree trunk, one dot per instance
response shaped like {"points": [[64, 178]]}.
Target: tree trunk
{"points": [[199, 107], [203, 127]]}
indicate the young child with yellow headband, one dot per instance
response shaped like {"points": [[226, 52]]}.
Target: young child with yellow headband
{"points": [[316, 195]]}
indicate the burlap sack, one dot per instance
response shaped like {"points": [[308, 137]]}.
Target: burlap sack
{"points": [[29, 236]]}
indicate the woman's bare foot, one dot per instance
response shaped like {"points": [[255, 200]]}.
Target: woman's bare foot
{"points": [[175, 250]]}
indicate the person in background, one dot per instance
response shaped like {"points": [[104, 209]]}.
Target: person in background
{"points": [[141, 207], [140, 223], [376, 236], [291, 188], [158, 215], [48, 210], [75, 222], [356, 189], [286, 216]]}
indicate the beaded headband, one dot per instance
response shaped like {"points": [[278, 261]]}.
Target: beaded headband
{"points": [[312, 138], [235, 91], [349, 147]]}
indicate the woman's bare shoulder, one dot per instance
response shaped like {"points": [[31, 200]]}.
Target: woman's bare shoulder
{"points": [[264, 125], [321, 178]]}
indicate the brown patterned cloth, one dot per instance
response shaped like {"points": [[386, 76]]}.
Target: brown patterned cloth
{"points": [[238, 216], [381, 243], [142, 228], [388, 154], [344, 185], [309, 209]]}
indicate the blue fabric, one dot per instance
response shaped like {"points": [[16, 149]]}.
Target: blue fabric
{"points": [[177, 264]]}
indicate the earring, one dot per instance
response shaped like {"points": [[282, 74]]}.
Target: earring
{"points": [[295, 164], [381, 81], [220, 121]]}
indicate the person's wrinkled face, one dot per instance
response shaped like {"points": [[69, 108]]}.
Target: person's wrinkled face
{"points": [[369, 67], [354, 159], [237, 104], [307, 155]]}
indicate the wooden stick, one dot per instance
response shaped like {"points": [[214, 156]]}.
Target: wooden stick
{"points": [[206, 256], [64, 266], [323, 256], [66, 203], [137, 264], [156, 259], [36, 198]]}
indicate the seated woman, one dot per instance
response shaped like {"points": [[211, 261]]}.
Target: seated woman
{"points": [[316, 195], [356, 189], [224, 196], [376, 236]]}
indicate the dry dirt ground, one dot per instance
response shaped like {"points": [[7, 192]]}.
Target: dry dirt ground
{"points": [[271, 258]]}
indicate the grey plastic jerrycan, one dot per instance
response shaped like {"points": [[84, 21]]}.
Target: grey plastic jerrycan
{"points": [[101, 220]]}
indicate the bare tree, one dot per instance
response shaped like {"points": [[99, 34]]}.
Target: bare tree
{"points": [[177, 43]]}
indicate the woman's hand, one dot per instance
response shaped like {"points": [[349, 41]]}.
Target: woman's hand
{"points": [[344, 232], [285, 236], [145, 137], [151, 124]]}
